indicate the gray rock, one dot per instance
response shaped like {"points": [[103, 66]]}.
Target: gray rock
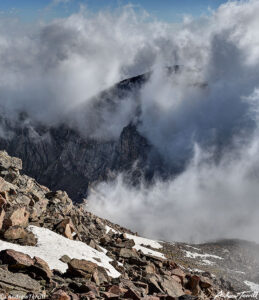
{"points": [[18, 281]]}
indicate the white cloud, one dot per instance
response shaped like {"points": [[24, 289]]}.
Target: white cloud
{"points": [[52, 69]]}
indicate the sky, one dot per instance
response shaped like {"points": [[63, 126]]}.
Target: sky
{"points": [[163, 10]]}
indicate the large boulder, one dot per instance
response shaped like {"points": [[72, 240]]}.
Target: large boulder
{"points": [[66, 228], [81, 268], [16, 216], [15, 260], [18, 282], [20, 262], [7, 162]]}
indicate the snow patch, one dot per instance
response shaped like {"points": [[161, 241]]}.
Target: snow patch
{"points": [[108, 229], [253, 286], [141, 242], [207, 262], [52, 246], [198, 255], [189, 246]]}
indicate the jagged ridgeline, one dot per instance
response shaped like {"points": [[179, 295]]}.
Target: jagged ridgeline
{"points": [[62, 157], [70, 157], [52, 249]]}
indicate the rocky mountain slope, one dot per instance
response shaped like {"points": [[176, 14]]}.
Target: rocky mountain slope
{"points": [[53, 249], [59, 154]]}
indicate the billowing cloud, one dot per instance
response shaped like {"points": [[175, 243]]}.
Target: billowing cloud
{"points": [[206, 118], [199, 117]]}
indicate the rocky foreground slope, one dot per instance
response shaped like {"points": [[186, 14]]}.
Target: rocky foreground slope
{"points": [[52, 249]]}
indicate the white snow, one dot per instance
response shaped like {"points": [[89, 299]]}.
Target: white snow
{"points": [[189, 246], [253, 286], [198, 255], [143, 241], [139, 241], [195, 270], [108, 228], [52, 246], [203, 257], [207, 262]]}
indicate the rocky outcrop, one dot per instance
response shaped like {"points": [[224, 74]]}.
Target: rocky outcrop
{"points": [[143, 274]]}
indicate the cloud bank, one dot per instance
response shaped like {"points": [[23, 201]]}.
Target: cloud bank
{"points": [[204, 117]]}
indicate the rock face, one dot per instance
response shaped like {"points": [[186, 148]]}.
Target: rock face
{"points": [[63, 159], [141, 276]]}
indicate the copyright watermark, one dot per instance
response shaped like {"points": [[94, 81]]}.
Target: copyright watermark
{"points": [[241, 295]]}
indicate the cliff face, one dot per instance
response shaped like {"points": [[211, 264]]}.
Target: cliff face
{"points": [[64, 158]]}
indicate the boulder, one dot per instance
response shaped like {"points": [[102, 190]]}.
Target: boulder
{"points": [[81, 268], [41, 269], [128, 253], [193, 284], [5, 186], [7, 162], [15, 260], [65, 259], [14, 233], [60, 201], [21, 235], [150, 269], [18, 282], [179, 273], [16, 216], [132, 294], [171, 286], [108, 295], [117, 290], [60, 295], [66, 228], [100, 276]]}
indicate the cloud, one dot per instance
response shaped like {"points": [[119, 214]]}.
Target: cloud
{"points": [[206, 202], [205, 119], [198, 118]]}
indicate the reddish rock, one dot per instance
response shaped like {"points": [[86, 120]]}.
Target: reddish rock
{"points": [[42, 268], [81, 268], [179, 273], [100, 276], [108, 295], [171, 287], [60, 295], [16, 216], [115, 289], [66, 228], [16, 260], [2, 215], [150, 269], [193, 284], [15, 233]]}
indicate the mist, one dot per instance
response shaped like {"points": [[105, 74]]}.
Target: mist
{"points": [[204, 116]]}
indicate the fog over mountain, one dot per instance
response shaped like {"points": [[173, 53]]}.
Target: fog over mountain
{"points": [[203, 115]]}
